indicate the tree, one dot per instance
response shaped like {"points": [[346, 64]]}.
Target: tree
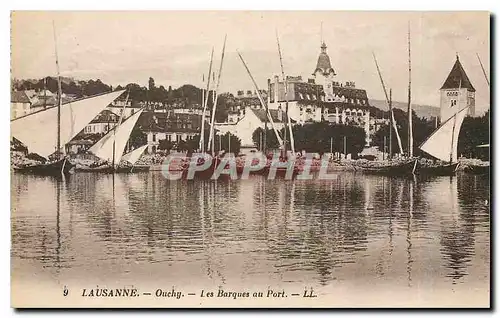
{"points": [[270, 138], [182, 146], [225, 102], [229, 143], [151, 84], [422, 129], [320, 136], [165, 144], [475, 131]]}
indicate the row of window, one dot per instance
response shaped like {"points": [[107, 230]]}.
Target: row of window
{"points": [[95, 129], [169, 137]]}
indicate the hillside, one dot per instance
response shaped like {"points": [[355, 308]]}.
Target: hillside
{"points": [[423, 111]]}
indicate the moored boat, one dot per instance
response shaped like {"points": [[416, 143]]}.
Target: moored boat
{"points": [[442, 144], [440, 169], [392, 168], [47, 131], [62, 166], [111, 146]]}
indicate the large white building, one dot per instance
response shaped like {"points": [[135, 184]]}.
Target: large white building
{"points": [[323, 98], [457, 93], [245, 121], [102, 123], [174, 127]]}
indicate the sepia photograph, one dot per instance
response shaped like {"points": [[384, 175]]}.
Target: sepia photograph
{"points": [[250, 159]]}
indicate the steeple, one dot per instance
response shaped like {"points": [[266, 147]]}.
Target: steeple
{"points": [[458, 78], [323, 65], [457, 93]]}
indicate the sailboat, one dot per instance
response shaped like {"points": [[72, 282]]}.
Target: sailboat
{"points": [[442, 144], [34, 130], [111, 146], [403, 167], [131, 158]]}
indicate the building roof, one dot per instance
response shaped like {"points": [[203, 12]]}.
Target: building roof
{"points": [[80, 142], [19, 97], [350, 92], [261, 114], [106, 116], [458, 78], [323, 65], [49, 101]]}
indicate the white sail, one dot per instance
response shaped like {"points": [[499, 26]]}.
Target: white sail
{"points": [[443, 142], [38, 131], [134, 155], [104, 147]]}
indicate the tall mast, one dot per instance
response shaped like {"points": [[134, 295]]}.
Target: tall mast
{"points": [[288, 124], [44, 93], [484, 72], [390, 128], [59, 93], [117, 125], [389, 103], [280, 141], [202, 134], [410, 124], [212, 122], [203, 112]]}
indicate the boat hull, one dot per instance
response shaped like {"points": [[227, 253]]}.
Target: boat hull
{"points": [[108, 169], [57, 168], [395, 169], [205, 174], [437, 170]]}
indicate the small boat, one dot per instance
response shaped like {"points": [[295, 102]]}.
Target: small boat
{"points": [[394, 168], [130, 159], [201, 174], [111, 146], [102, 168], [62, 166], [440, 169], [442, 144], [36, 132]]}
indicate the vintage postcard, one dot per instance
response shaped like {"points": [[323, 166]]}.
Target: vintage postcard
{"points": [[243, 159]]}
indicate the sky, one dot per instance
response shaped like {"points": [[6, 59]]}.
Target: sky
{"points": [[174, 47]]}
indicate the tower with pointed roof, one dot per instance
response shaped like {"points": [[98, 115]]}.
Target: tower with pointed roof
{"points": [[457, 93], [324, 73]]}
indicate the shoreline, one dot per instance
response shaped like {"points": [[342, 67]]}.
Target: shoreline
{"points": [[156, 163]]}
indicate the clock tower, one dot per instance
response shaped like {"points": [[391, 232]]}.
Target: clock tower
{"points": [[457, 93]]}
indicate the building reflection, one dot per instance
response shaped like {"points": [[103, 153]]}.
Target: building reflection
{"points": [[324, 230], [457, 225]]}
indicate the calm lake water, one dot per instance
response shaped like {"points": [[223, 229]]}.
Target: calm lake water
{"points": [[354, 236]]}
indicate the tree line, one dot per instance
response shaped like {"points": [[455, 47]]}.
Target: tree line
{"points": [[157, 97], [317, 137]]}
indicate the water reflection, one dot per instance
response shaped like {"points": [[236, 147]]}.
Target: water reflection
{"points": [[357, 228]]}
